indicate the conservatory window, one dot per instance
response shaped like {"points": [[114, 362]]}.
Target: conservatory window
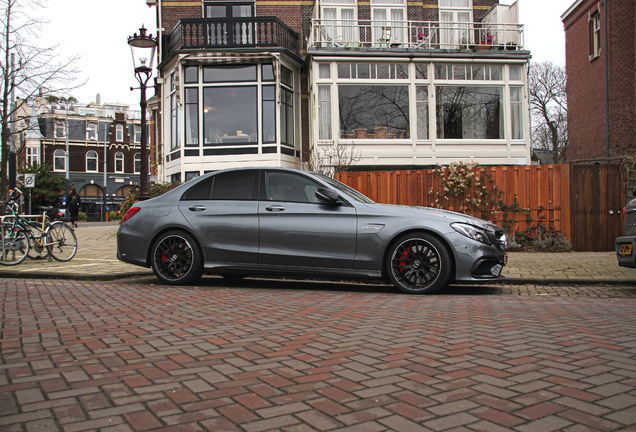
{"points": [[469, 112]]}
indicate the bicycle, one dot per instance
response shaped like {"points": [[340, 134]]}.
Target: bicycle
{"points": [[21, 235]]}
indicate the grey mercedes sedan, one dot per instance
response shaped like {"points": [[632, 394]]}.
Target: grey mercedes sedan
{"points": [[278, 221]]}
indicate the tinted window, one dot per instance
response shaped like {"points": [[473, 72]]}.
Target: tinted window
{"points": [[282, 186], [234, 185], [200, 191]]}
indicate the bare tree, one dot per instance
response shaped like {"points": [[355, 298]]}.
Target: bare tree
{"points": [[333, 157], [548, 106], [26, 69]]}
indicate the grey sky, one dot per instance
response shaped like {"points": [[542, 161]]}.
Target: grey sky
{"points": [[98, 30]]}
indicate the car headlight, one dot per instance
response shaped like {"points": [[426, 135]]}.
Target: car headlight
{"points": [[472, 232]]}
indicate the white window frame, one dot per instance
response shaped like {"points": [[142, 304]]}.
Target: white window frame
{"points": [[137, 133], [460, 17], [119, 162], [59, 160], [91, 154], [60, 129], [33, 156], [137, 165], [91, 131], [390, 27], [595, 35], [339, 19], [119, 133]]}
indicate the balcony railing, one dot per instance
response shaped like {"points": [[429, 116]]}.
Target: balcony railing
{"points": [[414, 34], [216, 33]]}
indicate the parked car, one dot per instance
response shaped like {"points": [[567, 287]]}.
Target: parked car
{"points": [[288, 222], [625, 245]]}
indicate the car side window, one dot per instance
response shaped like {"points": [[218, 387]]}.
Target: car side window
{"points": [[233, 185], [283, 186], [200, 191]]}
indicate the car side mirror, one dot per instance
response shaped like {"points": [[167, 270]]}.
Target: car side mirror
{"points": [[327, 196]]}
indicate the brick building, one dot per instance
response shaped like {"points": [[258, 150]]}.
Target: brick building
{"points": [[95, 133], [601, 79], [283, 83]]}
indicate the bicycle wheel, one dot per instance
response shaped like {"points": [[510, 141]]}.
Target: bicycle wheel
{"points": [[14, 245], [37, 250], [60, 241]]}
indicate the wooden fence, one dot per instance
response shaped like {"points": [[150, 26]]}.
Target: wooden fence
{"points": [[543, 192]]}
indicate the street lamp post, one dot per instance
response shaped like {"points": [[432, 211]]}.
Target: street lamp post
{"points": [[142, 47], [104, 212]]}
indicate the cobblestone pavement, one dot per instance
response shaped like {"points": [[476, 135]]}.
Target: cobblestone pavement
{"points": [[307, 356]]}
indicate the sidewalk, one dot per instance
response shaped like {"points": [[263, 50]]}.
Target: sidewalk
{"points": [[96, 259]]}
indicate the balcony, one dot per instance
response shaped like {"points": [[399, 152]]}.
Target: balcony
{"points": [[419, 35], [222, 33]]}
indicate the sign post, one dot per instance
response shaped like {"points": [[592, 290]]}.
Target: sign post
{"points": [[29, 181]]}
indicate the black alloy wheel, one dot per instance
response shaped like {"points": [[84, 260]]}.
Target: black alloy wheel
{"points": [[419, 263], [176, 258]]}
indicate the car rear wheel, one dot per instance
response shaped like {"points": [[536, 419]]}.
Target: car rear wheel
{"points": [[176, 259], [419, 263]]}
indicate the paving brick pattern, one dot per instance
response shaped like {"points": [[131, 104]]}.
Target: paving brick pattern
{"points": [[121, 356]]}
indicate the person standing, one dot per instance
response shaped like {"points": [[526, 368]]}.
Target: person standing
{"points": [[73, 202]]}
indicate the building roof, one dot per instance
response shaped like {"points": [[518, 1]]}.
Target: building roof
{"points": [[571, 9]]}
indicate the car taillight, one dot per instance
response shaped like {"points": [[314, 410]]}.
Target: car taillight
{"points": [[623, 211], [59, 214], [130, 213]]}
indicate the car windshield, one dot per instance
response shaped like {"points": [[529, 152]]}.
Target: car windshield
{"points": [[346, 189]]}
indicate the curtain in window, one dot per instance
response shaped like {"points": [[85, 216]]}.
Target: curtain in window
{"points": [[422, 112], [454, 3], [348, 26], [381, 31], [516, 112], [400, 2], [397, 24], [330, 16], [324, 112]]}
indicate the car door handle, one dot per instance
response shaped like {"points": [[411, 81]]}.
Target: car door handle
{"points": [[275, 208], [196, 208]]}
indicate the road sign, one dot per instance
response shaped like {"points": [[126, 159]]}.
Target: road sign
{"points": [[29, 180]]}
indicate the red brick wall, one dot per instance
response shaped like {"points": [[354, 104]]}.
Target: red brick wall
{"points": [[622, 77], [177, 9], [586, 83]]}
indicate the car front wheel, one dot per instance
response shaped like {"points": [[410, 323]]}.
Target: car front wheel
{"points": [[419, 263], [176, 259]]}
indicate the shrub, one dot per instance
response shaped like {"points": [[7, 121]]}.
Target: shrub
{"points": [[113, 215], [539, 239], [81, 216]]}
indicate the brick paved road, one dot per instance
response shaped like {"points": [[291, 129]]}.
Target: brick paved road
{"points": [[120, 356]]}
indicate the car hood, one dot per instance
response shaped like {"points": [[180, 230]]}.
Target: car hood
{"points": [[415, 211]]}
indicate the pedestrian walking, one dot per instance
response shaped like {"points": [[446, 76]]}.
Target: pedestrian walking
{"points": [[73, 202]]}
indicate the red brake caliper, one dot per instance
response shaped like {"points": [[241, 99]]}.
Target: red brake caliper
{"points": [[403, 258]]}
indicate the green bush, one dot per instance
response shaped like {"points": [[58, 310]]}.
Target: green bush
{"points": [[81, 216], [113, 215]]}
